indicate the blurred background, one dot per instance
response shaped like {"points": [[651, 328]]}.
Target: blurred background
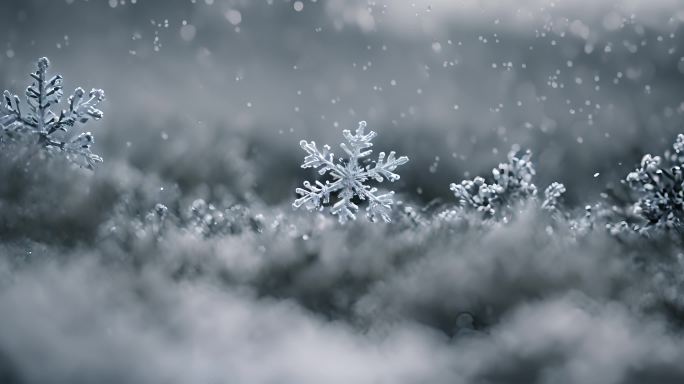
{"points": [[214, 95], [207, 101]]}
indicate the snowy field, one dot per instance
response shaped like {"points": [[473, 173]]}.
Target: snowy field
{"points": [[170, 226]]}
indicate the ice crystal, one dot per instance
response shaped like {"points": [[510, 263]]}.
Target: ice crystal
{"points": [[349, 177], [512, 183], [39, 125], [660, 188]]}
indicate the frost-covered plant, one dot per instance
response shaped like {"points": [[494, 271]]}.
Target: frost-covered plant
{"points": [[130, 228], [349, 177], [512, 183], [552, 196], [513, 180], [476, 194], [660, 188], [36, 123]]}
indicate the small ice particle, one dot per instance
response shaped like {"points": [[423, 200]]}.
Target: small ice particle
{"points": [[233, 16], [188, 32]]}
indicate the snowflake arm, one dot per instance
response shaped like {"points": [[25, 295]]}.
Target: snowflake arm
{"points": [[379, 205], [42, 94], [317, 158], [314, 196], [359, 142], [80, 110], [384, 169], [344, 208], [12, 120], [78, 151]]}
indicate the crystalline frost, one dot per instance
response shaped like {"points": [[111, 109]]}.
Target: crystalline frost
{"points": [[512, 183], [552, 196], [35, 122], [349, 177], [660, 189]]}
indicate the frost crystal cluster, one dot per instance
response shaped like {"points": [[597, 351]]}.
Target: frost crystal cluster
{"points": [[660, 189], [512, 184], [349, 177], [35, 122], [552, 196], [209, 220]]}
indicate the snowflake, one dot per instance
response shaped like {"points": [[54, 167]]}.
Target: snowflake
{"points": [[41, 126], [349, 177]]}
